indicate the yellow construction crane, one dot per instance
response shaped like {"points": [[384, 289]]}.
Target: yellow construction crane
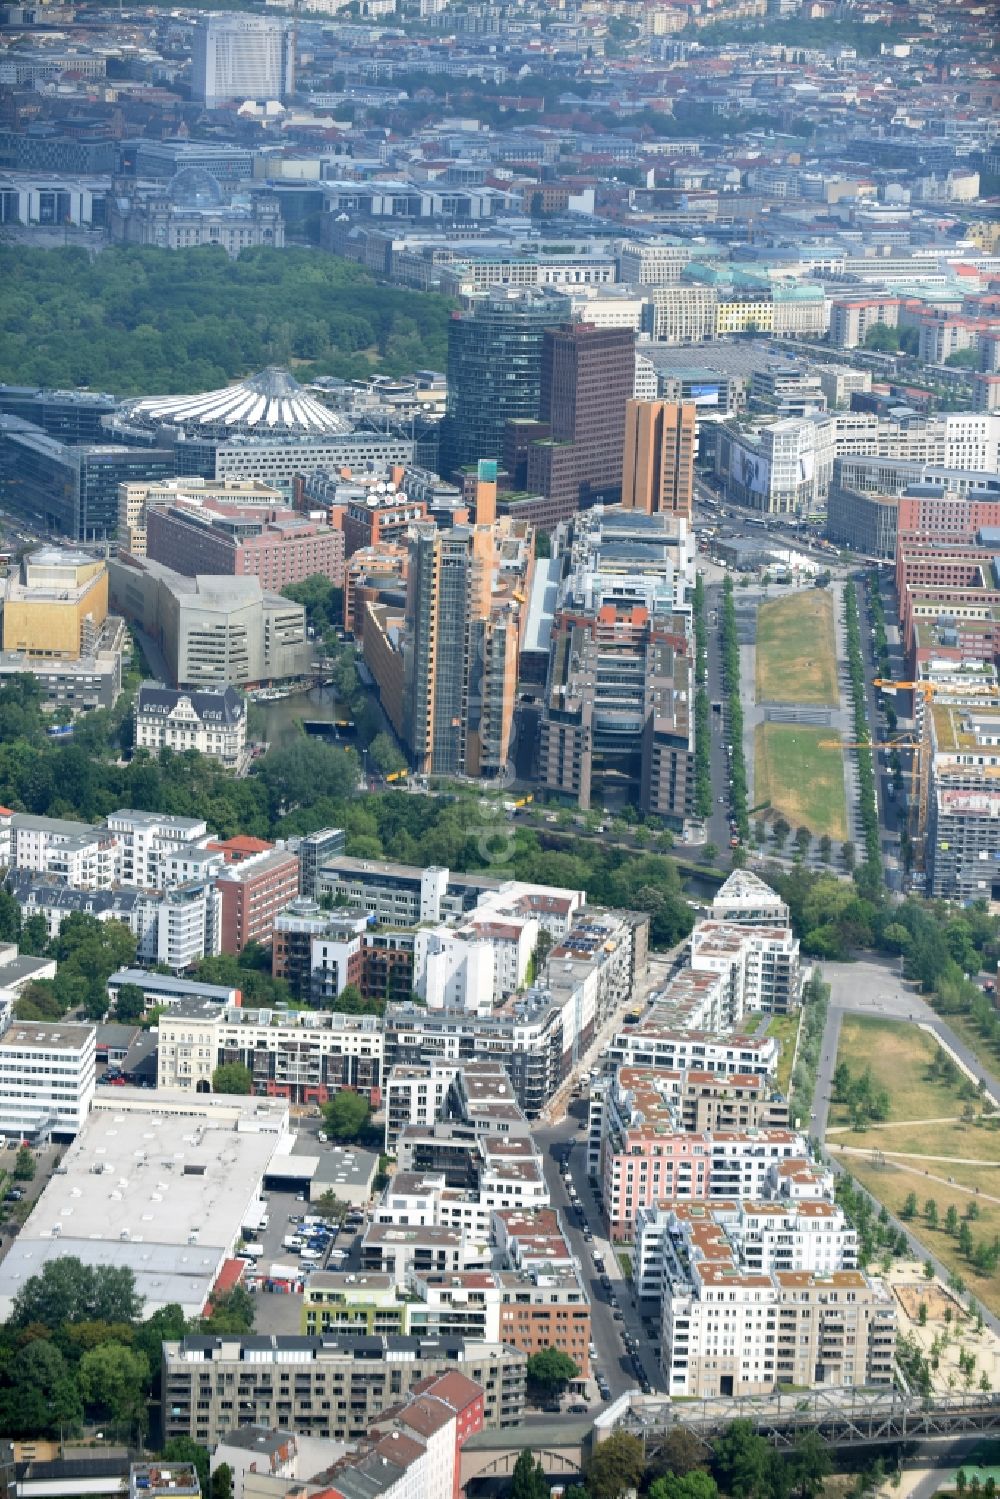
{"points": [[912, 742]]}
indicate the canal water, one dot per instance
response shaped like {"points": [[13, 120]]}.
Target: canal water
{"points": [[281, 719]]}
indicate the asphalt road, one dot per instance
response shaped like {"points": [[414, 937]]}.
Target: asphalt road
{"points": [[717, 830], [611, 1356]]}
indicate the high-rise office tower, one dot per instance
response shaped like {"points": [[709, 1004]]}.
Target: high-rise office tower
{"points": [[462, 636], [448, 591], [239, 57], [587, 379], [658, 468], [494, 371]]}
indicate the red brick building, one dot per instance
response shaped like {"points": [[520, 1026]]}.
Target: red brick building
{"points": [[253, 892], [277, 545], [235, 850]]}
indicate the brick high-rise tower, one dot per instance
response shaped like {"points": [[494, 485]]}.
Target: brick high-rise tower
{"points": [[587, 378], [658, 468]]}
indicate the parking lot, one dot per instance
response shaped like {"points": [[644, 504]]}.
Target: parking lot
{"points": [[334, 1249], [17, 1210]]}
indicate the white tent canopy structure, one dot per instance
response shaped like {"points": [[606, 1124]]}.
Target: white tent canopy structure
{"points": [[271, 404]]}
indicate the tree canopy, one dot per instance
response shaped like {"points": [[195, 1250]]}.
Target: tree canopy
{"points": [[346, 1115], [528, 1479], [550, 1371], [68, 1291], [615, 1466], [69, 319], [231, 1077]]}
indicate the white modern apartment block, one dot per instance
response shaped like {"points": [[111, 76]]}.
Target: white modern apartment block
{"points": [[302, 1055], [663, 1041], [147, 837], [84, 856], [731, 1326], [34, 841], [188, 925], [766, 1234], [240, 57], [47, 1078], [651, 263], [175, 926], [745, 898], [415, 1095], [477, 966], [759, 964], [450, 972]]}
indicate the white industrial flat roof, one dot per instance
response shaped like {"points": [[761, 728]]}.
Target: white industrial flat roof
{"points": [[164, 1192]]}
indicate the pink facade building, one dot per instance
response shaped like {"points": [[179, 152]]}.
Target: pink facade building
{"points": [[277, 545]]}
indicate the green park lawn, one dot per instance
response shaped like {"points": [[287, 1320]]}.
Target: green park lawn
{"points": [[785, 1029], [799, 774], [899, 1055], [890, 1164], [796, 650]]}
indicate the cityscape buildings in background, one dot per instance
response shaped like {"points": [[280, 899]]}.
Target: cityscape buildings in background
{"points": [[499, 827], [238, 57]]}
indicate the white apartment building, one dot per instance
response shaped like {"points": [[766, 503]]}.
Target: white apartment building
{"points": [[746, 1333], [652, 263], [302, 1055], [765, 1234], [475, 967], [683, 314], [787, 466], [181, 865], [503, 1184], [745, 899], [91, 862], [760, 965], [852, 316], [47, 1078], [188, 925], [608, 311], [240, 57], [647, 384], [34, 841], [662, 1042], [176, 926], [838, 383], [730, 1330], [453, 973], [212, 721], [147, 837]]}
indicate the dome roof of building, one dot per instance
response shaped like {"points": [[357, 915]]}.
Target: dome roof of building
{"points": [[269, 404], [193, 187]]}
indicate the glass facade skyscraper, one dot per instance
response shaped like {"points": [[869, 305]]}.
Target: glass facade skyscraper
{"points": [[494, 371]]}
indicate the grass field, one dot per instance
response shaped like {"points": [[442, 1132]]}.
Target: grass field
{"points": [[891, 1185], [899, 1056], [967, 1031], [785, 1029], [796, 650], [801, 778]]}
